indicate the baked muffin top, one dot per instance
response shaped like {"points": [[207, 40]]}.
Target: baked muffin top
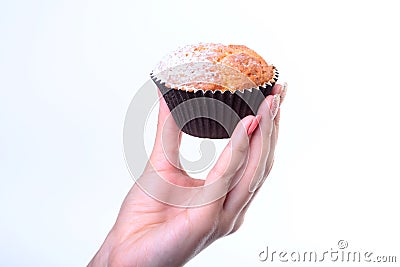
{"points": [[209, 66]]}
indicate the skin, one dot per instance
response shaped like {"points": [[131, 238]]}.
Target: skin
{"points": [[148, 232]]}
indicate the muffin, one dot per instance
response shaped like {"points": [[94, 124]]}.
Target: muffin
{"points": [[209, 87]]}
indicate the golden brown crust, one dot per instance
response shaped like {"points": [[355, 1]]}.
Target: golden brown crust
{"points": [[238, 57]]}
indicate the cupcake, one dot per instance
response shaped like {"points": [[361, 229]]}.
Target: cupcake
{"points": [[209, 88]]}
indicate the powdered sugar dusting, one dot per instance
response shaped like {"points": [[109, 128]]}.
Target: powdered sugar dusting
{"points": [[202, 52], [232, 67]]}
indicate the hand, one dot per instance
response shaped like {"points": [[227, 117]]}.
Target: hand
{"points": [[149, 232]]}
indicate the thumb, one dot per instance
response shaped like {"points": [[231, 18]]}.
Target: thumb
{"points": [[168, 138]]}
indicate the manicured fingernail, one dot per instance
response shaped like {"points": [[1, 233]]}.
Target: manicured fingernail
{"points": [[253, 125], [275, 105], [283, 92]]}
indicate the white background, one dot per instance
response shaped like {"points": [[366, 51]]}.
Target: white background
{"points": [[68, 70]]}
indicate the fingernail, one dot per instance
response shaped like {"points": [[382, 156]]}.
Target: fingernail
{"points": [[253, 124], [283, 92], [258, 118], [275, 105]]}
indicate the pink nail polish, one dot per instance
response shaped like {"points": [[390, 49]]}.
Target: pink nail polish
{"points": [[258, 118], [253, 125]]}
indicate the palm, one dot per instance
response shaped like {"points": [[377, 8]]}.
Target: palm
{"points": [[146, 221]]}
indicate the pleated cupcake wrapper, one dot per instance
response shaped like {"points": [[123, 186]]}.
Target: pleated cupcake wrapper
{"points": [[212, 114]]}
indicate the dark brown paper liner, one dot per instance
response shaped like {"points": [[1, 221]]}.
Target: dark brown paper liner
{"points": [[206, 118]]}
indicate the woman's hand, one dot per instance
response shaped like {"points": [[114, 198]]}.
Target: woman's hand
{"points": [[150, 232]]}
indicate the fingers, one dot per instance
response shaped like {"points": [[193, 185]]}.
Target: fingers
{"points": [[259, 150], [264, 140], [235, 151], [228, 165], [240, 218], [168, 137], [275, 134], [269, 163], [282, 90], [238, 200]]}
